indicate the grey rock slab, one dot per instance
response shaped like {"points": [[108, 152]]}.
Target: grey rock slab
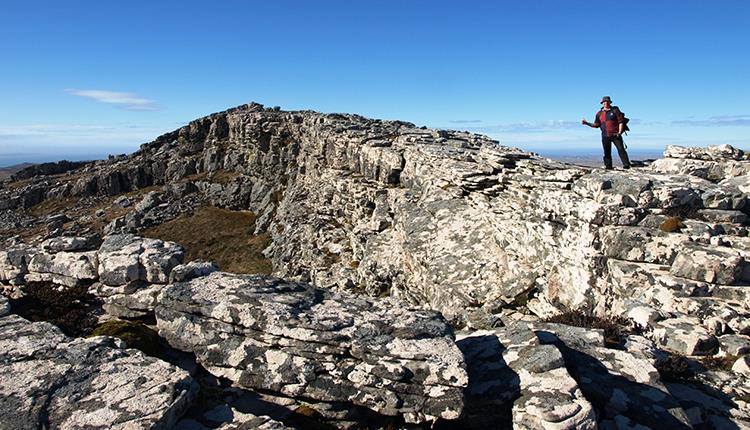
{"points": [[77, 265], [708, 264], [49, 380], [684, 336], [119, 259], [620, 383], [710, 170], [192, 270], [742, 366], [128, 258], [158, 258], [136, 304], [75, 243], [14, 262], [266, 333], [711, 153], [514, 379], [723, 216], [4, 306], [734, 344]]}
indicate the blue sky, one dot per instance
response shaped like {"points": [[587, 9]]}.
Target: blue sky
{"points": [[88, 78]]}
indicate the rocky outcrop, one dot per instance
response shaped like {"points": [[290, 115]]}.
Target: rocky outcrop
{"points": [[514, 381], [553, 376], [446, 219], [132, 272], [50, 381], [265, 333], [45, 169], [449, 221], [126, 271], [715, 163]]}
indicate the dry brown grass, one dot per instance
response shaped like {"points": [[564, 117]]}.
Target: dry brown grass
{"points": [[52, 206], [719, 363], [219, 235], [81, 211], [16, 185], [675, 368]]}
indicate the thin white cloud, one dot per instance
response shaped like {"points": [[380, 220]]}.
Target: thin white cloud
{"points": [[524, 127], [717, 121], [34, 137], [127, 101], [465, 121]]}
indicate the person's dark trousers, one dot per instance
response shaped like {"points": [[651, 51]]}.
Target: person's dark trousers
{"points": [[607, 142]]}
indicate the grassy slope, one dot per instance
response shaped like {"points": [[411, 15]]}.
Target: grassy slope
{"points": [[219, 235]]}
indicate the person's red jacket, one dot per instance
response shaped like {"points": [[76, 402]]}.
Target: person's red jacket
{"points": [[609, 120]]}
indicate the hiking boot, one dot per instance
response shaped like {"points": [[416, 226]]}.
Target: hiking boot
{"points": [[626, 167], [608, 168]]}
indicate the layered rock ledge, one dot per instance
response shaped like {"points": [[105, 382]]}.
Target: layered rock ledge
{"points": [[493, 238], [48, 380], [306, 342]]}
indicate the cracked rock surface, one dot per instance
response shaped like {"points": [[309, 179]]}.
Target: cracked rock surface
{"points": [[48, 380], [385, 236], [301, 341]]}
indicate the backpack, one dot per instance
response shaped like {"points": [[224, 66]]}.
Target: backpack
{"points": [[625, 120]]}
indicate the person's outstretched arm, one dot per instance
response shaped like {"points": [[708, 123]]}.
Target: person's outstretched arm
{"points": [[595, 124]]}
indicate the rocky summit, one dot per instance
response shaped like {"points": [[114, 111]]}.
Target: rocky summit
{"points": [[386, 276]]}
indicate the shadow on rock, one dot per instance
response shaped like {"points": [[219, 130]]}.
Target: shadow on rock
{"points": [[617, 399], [72, 309], [493, 385]]}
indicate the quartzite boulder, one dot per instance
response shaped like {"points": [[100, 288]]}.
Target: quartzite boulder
{"points": [[265, 333], [63, 267], [128, 258], [513, 379], [50, 381], [132, 272]]}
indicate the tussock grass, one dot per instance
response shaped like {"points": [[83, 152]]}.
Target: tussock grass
{"points": [[675, 368], [219, 235], [615, 328], [52, 206], [72, 309]]}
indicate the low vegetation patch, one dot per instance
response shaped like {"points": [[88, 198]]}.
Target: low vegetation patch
{"points": [[675, 368], [615, 328], [719, 363], [72, 309], [672, 224], [52, 206], [219, 235], [137, 335]]}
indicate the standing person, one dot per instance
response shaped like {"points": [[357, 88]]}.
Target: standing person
{"points": [[610, 120]]}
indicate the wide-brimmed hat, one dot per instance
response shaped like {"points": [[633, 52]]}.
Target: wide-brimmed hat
{"points": [[606, 99]]}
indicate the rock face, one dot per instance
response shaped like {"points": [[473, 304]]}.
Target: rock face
{"points": [[132, 272], [554, 376], [442, 220], [50, 381], [126, 271], [44, 169], [446, 219], [265, 333]]}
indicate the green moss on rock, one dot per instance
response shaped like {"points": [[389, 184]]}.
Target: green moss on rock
{"points": [[135, 334]]}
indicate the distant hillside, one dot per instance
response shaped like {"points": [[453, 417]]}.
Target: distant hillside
{"points": [[5, 172]]}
